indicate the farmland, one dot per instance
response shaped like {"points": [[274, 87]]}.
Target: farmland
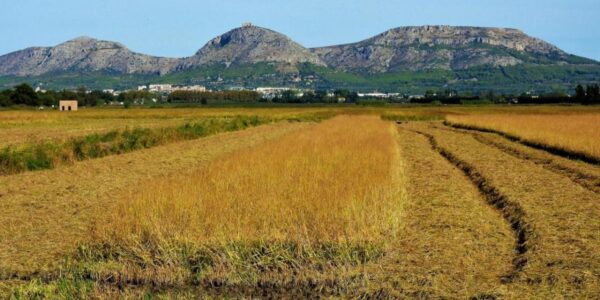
{"points": [[325, 201]]}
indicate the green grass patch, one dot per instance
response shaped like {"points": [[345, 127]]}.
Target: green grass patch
{"points": [[49, 154]]}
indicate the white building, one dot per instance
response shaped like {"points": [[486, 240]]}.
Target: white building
{"points": [[193, 88], [271, 90], [160, 88], [169, 88]]}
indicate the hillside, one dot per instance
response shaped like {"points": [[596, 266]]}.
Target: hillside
{"points": [[405, 59], [250, 45], [445, 48], [82, 54]]}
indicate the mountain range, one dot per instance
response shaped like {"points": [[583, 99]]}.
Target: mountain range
{"points": [[408, 59]]}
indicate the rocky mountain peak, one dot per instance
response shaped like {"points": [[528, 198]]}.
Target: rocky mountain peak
{"points": [[82, 54], [413, 48], [439, 47], [248, 35], [86, 43], [462, 36], [251, 44]]}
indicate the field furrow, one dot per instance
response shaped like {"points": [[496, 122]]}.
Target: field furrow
{"points": [[568, 135], [585, 174], [452, 244], [46, 214], [511, 211], [563, 256]]}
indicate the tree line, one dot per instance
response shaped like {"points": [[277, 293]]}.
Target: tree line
{"points": [[24, 94], [205, 97], [589, 95], [319, 96]]}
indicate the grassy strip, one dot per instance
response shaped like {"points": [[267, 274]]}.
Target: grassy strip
{"points": [[49, 154], [560, 151]]}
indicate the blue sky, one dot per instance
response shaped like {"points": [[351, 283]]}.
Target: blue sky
{"points": [[179, 28]]}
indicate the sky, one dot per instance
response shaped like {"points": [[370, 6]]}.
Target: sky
{"points": [[178, 28]]}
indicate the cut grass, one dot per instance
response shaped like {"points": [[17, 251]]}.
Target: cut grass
{"points": [[571, 135], [586, 175], [563, 253], [452, 244], [510, 210]]}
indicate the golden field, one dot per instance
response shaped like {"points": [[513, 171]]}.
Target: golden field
{"points": [[572, 132], [330, 195], [20, 126], [324, 201], [275, 192]]}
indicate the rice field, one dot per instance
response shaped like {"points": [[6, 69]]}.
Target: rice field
{"points": [[575, 133], [426, 202]]}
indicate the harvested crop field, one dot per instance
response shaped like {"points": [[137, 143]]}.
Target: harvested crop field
{"points": [[342, 202]]}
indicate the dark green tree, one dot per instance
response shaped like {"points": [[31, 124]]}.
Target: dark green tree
{"points": [[81, 94], [24, 94], [308, 97], [352, 97], [592, 94], [5, 98], [47, 99], [580, 93], [101, 96], [289, 96]]}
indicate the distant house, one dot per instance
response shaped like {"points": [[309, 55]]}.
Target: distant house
{"points": [[67, 105]]}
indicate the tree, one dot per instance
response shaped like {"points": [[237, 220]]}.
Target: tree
{"points": [[221, 96], [308, 97], [68, 95], [321, 96], [289, 96], [47, 99], [81, 93], [352, 97], [102, 96], [24, 94], [580, 93], [5, 98], [592, 94]]}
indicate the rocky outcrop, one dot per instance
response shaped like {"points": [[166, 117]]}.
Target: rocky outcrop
{"points": [[250, 45], [83, 54], [404, 48], [438, 47]]}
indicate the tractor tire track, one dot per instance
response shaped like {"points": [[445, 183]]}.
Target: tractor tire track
{"points": [[587, 181], [511, 211], [569, 154]]}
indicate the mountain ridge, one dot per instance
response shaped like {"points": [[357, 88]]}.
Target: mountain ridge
{"points": [[442, 47], [465, 50]]}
